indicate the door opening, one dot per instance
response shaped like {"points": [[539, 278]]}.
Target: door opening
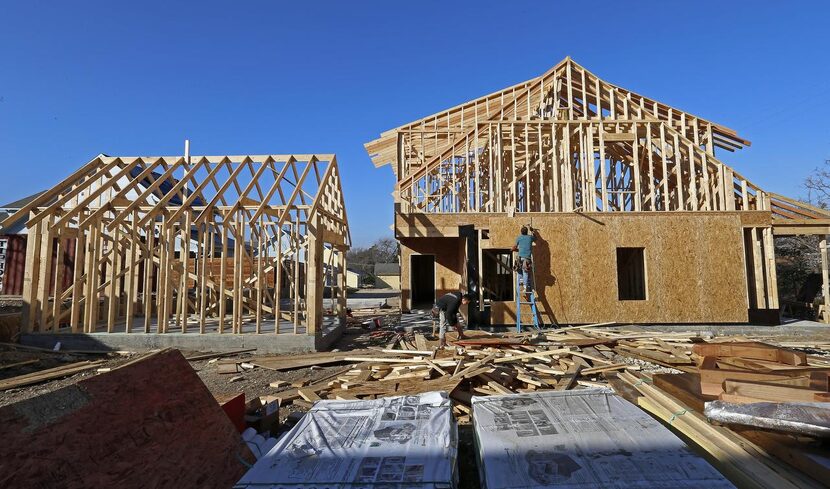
{"points": [[422, 282]]}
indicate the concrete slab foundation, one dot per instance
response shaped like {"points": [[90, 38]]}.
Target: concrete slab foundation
{"points": [[264, 343]]}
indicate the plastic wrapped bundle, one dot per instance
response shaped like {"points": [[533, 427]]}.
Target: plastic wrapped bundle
{"points": [[579, 439], [804, 418], [405, 442]]}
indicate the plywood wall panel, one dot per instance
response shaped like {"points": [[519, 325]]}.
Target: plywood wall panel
{"points": [[448, 254], [694, 264]]}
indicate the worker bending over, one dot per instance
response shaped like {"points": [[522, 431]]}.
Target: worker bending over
{"points": [[447, 308], [524, 245]]}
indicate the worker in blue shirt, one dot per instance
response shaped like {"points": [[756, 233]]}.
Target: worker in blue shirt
{"points": [[524, 245]]}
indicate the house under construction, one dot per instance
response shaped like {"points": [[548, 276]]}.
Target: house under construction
{"points": [[640, 220], [233, 245]]}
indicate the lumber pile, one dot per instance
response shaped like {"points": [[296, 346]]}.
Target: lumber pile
{"points": [[743, 462], [480, 365], [748, 372], [741, 372]]}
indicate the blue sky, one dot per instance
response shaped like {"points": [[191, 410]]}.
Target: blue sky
{"points": [[127, 78]]}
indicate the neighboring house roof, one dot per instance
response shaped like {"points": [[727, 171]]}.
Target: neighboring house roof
{"points": [[387, 269], [17, 204], [19, 227]]}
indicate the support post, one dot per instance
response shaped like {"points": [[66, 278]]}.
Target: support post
{"points": [[30, 275], [825, 279], [314, 277]]}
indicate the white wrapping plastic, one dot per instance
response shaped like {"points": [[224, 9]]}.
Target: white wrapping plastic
{"points": [[805, 418], [397, 442], [581, 439]]}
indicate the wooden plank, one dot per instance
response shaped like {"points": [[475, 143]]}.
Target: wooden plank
{"points": [[205, 356], [543, 355], [19, 364], [712, 379], [569, 379], [48, 374], [770, 392], [751, 350], [308, 395]]}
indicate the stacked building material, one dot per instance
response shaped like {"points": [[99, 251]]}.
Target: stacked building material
{"points": [[485, 364], [576, 439], [771, 382], [747, 372], [396, 442]]}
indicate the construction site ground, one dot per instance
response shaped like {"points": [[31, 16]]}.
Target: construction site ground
{"points": [[256, 382], [369, 331]]}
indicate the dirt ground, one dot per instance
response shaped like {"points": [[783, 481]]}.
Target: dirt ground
{"points": [[254, 383]]}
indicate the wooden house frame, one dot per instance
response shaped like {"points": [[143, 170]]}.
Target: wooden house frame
{"points": [[184, 244], [566, 150]]}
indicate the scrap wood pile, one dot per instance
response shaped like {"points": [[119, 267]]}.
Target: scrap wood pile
{"points": [[746, 372], [373, 317], [485, 364]]}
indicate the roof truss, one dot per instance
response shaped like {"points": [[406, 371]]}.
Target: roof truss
{"points": [[176, 239], [569, 141]]}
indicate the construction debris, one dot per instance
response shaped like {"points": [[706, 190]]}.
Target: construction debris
{"points": [[484, 365], [207, 356]]}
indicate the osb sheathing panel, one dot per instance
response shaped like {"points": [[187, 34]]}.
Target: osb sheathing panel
{"points": [[449, 259], [756, 218], [694, 264]]}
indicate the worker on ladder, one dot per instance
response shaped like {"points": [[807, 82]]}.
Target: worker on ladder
{"points": [[524, 247], [525, 277]]}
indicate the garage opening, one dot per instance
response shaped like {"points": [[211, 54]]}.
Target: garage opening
{"points": [[422, 283], [631, 274]]}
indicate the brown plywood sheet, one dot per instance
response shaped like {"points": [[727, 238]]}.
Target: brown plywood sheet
{"points": [[694, 264], [152, 423]]}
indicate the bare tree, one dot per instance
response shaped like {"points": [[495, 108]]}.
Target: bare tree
{"points": [[818, 186], [798, 257], [383, 250]]}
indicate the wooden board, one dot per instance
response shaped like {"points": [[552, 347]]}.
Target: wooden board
{"points": [[751, 350], [404, 387], [712, 379], [290, 362], [771, 392], [121, 430], [485, 341]]}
